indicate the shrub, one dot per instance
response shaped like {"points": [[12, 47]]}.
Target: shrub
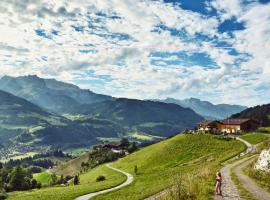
{"points": [[264, 129], [39, 185], [76, 180], [136, 169], [101, 178], [3, 195]]}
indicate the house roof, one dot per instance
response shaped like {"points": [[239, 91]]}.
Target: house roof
{"points": [[234, 121], [207, 122]]}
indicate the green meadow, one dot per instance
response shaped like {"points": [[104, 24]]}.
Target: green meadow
{"points": [[43, 177], [159, 166], [163, 164], [87, 184], [254, 138]]}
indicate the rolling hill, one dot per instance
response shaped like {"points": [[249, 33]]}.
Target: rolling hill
{"points": [[260, 113], [192, 159], [154, 118], [17, 114], [38, 112], [23, 123], [207, 109]]}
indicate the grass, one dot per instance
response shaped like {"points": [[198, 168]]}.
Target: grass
{"points": [[254, 138], [71, 167], [160, 165], [18, 156], [140, 136], [260, 177], [44, 178], [264, 129], [35, 129], [87, 184]]}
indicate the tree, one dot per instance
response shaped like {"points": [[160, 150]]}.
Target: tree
{"points": [[124, 142], [136, 169], [53, 179], [101, 178], [34, 183], [1, 165], [76, 180], [132, 147], [17, 179], [39, 185], [62, 181]]}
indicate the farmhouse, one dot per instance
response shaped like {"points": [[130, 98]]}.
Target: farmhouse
{"points": [[212, 126], [239, 125], [229, 126]]}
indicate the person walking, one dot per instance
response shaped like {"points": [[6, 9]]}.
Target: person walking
{"points": [[218, 184]]}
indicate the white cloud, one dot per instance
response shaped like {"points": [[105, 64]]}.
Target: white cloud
{"points": [[120, 46]]}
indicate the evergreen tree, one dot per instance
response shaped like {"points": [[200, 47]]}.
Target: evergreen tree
{"points": [[76, 180], [53, 179]]}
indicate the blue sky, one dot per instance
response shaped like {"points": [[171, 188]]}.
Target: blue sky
{"points": [[216, 50]]}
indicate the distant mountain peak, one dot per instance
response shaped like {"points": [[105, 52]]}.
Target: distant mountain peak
{"points": [[206, 108], [49, 94]]}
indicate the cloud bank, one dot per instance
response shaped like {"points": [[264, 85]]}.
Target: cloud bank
{"points": [[143, 48]]}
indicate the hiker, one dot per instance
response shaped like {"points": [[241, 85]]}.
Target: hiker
{"points": [[218, 184]]}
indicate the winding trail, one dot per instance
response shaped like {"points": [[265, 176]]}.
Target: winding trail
{"points": [[229, 189], [248, 183], [129, 180]]}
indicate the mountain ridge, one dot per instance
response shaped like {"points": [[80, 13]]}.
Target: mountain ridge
{"points": [[50, 94], [260, 113], [206, 108]]}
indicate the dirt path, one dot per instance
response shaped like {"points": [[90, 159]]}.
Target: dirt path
{"points": [[229, 189], [249, 184], [129, 180]]}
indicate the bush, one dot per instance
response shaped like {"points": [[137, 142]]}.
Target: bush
{"points": [[76, 180], [3, 195], [264, 129], [136, 169], [35, 169], [101, 178], [39, 185]]}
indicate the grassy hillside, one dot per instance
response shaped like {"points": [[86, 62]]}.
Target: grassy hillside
{"points": [[44, 178], [162, 165], [153, 118], [87, 184], [71, 167], [159, 166], [255, 138], [261, 113]]}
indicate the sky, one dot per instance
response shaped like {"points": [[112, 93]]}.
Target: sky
{"points": [[215, 50]]}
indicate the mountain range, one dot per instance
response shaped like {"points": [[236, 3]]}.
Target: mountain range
{"points": [[50, 94], [207, 109], [46, 112]]}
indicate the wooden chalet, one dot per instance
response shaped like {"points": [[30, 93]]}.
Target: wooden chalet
{"points": [[229, 126], [238, 125]]}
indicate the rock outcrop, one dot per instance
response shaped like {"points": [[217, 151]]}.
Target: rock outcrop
{"points": [[263, 162]]}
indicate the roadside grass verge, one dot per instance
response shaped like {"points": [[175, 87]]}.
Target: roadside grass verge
{"points": [[254, 138], [260, 177], [186, 155], [87, 185], [243, 192]]}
